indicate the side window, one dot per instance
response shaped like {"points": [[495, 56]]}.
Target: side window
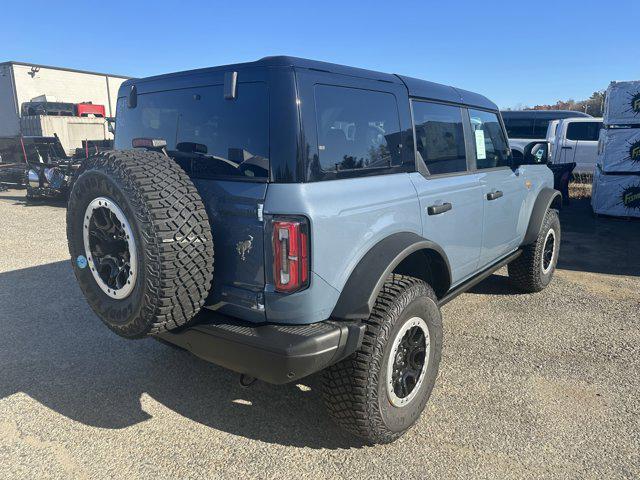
{"points": [[440, 137], [492, 149], [584, 131], [357, 129]]}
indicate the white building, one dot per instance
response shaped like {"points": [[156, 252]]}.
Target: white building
{"points": [[24, 82]]}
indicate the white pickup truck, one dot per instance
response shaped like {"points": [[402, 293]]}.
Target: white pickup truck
{"points": [[526, 126], [574, 140]]}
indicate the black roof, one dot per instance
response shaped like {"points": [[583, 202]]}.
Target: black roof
{"points": [[416, 87]]}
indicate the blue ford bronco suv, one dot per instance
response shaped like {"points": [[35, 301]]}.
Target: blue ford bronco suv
{"points": [[287, 216]]}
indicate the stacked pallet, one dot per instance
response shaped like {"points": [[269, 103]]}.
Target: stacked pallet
{"points": [[616, 183]]}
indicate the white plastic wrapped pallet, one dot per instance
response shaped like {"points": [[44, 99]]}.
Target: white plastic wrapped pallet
{"points": [[622, 103], [619, 150], [616, 195]]}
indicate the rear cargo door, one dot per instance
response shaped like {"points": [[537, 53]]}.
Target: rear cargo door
{"points": [[234, 210], [221, 139]]}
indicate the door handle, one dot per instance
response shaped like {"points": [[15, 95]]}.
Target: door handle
{"points": [[438, 209], [494, 195], [567, 148]]}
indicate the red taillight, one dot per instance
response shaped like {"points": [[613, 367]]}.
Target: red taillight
{"points": [[290, 255]]}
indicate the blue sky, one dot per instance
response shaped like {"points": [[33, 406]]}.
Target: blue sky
{"points": [[514, 52]]}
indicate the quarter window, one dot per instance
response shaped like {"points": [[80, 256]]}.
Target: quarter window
{"points": [[439, 137], [492, 149], [357, 129]]}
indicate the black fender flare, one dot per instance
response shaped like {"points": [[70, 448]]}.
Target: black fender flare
{"points": [[547, 198], [366, 280]]}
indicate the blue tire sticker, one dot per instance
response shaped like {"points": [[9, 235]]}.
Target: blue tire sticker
{"points": [[81, 261]]}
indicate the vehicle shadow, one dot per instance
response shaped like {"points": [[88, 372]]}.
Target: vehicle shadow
{"points": [[598, 244], [21, 200], [589, 244], [54, 349], [496, 284]]}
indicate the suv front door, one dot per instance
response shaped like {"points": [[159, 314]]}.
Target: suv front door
{"points": [[450, 194], [503, 189]]}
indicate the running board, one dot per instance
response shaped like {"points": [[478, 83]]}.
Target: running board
{"points": [[473, 281]]}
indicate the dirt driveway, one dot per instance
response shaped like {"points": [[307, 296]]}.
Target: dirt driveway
{"points": [[531, 386]]}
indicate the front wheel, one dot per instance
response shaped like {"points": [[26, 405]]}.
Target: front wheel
{"points": [[380, 391], [533, 270]]}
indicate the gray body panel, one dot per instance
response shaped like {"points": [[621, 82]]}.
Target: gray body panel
{"points": [[349, 217], [458, 231]]}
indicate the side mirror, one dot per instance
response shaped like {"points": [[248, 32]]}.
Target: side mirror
{"points": [[534, 153]]}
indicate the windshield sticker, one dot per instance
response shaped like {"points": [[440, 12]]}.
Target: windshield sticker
{"points": [[481, 152]]}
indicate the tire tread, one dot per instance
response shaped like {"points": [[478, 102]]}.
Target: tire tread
{"points": [[175, 230], [349, 387]]}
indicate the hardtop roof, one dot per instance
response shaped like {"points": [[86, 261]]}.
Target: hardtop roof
{"points": [[415, 87]]}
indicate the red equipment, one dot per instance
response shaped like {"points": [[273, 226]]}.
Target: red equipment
{"points": [[86, 109]]}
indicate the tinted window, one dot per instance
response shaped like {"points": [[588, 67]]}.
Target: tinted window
{"points": [[540, 127], [440, 137], [583, 130], [520, 127], [206, 134], [492, 149], [357, 129]]}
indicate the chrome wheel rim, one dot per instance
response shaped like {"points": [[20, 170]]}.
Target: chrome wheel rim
{"points": [[408, 361], [110, 248], [548, 251]]}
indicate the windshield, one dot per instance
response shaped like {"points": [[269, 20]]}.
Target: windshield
{"points": [[208, 135]]}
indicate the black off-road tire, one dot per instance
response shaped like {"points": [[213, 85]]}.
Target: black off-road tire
{"points": [[172, 236], [527, 272], [355, 389]]}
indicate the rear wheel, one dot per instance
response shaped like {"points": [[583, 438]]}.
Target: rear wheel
{"points": [[533, 270], [380, 391], [140, 242]]}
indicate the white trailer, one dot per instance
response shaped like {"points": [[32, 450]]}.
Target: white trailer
{"points": [[23, 82]]}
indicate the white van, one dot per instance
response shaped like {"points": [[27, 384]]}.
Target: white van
{"points": [[575, 140]]}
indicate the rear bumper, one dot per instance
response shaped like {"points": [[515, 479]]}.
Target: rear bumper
{"points": [[273, 353]]}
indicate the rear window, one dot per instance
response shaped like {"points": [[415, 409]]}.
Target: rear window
{"points": [[208, 135], [358, 130], [584, 131]]}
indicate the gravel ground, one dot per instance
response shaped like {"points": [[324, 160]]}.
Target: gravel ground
{"points": [[530, 386]]}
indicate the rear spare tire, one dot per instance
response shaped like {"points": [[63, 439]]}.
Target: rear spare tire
{"points": [[140, 242]]}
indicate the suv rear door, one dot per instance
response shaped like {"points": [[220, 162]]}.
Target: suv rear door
{"points": [[449, 191], [503, 189]]}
